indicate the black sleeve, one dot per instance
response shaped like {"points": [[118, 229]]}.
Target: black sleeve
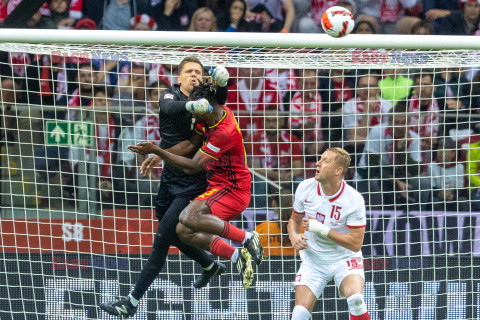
{"points": [[170, 103], [221, 94]]}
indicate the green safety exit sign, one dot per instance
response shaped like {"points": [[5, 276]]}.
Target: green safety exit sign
{"points": [[72, 133]]}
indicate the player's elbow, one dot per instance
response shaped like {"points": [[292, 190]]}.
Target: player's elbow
{"points": [[355, 247], [192, 169]]}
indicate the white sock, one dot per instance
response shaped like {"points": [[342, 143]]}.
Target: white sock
{"points": [[133, 301], [248, 235], [235, 256], [356, 304], [300, 313], [209, 267]]}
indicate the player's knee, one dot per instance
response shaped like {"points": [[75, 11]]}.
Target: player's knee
{"points": [[356, 304], [300, 313]]}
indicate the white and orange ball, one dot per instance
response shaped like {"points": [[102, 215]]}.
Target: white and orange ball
{"points": [[337, 22]]}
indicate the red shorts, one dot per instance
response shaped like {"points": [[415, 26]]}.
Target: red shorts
{"points": [[224, 202]]}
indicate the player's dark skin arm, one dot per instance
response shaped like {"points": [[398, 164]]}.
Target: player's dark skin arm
{"points": [[187, 147], [185, 164]]}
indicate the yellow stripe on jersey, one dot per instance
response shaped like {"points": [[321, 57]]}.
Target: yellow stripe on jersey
{"points": [[208, 154]]}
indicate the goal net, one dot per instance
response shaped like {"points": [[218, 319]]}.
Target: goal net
{"points": [[77, 218]]}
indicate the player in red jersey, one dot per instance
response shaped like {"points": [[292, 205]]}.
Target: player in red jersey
{"points": [[228, 195]]}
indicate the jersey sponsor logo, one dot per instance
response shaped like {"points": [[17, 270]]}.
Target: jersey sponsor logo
{"points": [[168, 96], [212, 147]]}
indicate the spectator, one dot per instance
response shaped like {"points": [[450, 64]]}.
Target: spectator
{"points": [[273, 234], [422, 28], [261, 20], [86, 24], [203, 20], [275, 154], [395, 85], [424, 114], [154, 92], [58, 12], [390, 165], [285, 80], [9, 96], [364, 27], [365, 111], [32, 23], [452, 90], [274, 9], [336, 87], [47, 84], [463, 22], [366, 23], [473, 166], [435, 9], [53, 159], [248, 97], [117, 14], [143, 22], [130, 96], [105, 136], [447, 179], [305, 106], [174, 15], [405, 24], [82, 93], [387, 13], [235, 21], [130, 186], [163, 72], [220, 8]]}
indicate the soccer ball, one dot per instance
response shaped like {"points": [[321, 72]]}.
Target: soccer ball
{"points": [[337, 22]]}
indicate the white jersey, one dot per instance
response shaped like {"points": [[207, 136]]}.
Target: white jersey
{"points": [[343, 210]]}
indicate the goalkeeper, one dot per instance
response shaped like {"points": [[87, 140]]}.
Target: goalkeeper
{"points": [[177, 188]]}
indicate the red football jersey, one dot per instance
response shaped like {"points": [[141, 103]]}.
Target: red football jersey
{"points": [[249, 105], [276, 154], [224, 143]]}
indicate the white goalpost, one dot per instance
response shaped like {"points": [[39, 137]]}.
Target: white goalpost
{"points": [[77, 218]]}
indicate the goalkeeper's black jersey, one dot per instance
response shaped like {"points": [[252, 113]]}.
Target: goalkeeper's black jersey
{"points": [[176, 126]]}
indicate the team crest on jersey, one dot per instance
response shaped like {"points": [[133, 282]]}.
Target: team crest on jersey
{"points": [[212, 147], [168, 96]]}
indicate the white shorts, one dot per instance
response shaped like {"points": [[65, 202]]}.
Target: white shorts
{"points": [[316, 276]]}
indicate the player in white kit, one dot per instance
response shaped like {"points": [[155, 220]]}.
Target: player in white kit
{"points": [[333, 216]]}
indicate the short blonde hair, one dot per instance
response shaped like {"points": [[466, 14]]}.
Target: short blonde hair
{"points": [[199, 12], [342, 158]]}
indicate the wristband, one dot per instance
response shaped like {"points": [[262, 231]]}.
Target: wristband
{"points": [[318, 228], [284, 31]]}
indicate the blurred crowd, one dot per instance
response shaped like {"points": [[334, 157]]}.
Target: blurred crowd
{"points": [[450, 17], [411, 133]]}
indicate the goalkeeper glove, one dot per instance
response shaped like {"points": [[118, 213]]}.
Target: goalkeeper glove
{"points": [[199, 106], [220, 75], [318, 228]]}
